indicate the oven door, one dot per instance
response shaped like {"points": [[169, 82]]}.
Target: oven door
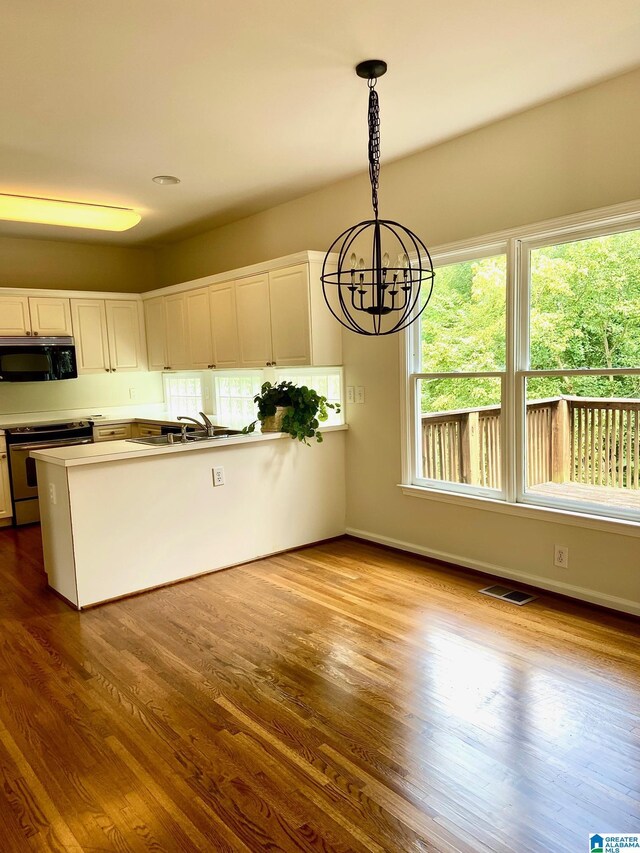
{"points": [[23, 468]]}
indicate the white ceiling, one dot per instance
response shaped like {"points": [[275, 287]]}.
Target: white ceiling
{"points": [[252, 102]]}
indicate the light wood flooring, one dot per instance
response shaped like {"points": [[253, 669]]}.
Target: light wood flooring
{"points": [[339, 698]]}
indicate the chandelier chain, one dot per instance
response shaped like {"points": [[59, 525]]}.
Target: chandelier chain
{"points": [[374, 145]]}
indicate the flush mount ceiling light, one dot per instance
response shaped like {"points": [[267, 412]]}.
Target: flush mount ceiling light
{"points": [[166, 179], [381, 295], [74, 214]]}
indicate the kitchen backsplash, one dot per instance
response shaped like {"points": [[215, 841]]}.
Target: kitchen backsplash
{"points": [[91, 392]]}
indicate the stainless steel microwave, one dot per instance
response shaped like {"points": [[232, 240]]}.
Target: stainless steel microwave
{"points": [[37, 359]]}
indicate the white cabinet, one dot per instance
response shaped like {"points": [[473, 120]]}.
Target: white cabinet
{"points": [[254, 321], [108, 335], [175, 317], [125, 334], [290, 326], [198, 329], [156, 333], [14, 316], [283, 321], [50, 316], [274, 317], [90, 332], [179, 331], [224, 330], [35, 315], [5, 493]]}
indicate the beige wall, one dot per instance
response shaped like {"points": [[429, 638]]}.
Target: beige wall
{"points": [[56, 264], [570, 155], [93, 392]]}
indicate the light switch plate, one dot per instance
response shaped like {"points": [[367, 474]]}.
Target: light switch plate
{"points": [[351, 394], [360, 394]]}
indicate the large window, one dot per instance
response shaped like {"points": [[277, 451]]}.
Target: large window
{"points": [[524, 372]]}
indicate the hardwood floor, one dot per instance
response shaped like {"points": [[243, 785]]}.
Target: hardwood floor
{"points": [[340, 698]]}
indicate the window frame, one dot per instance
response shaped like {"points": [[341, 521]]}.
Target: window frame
{"points": [[517, 244]]}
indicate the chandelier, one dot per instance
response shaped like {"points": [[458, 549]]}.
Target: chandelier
{"points": [[382, 294]]}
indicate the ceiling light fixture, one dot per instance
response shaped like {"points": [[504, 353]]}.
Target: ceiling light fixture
{"points": [[380, 296], [166, 179], [74, 214]]}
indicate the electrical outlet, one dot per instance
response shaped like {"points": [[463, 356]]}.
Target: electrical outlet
{"points": [[351, 394], [133, 393], [561, 556], [52, 494], [360, 394], [218, 476]]}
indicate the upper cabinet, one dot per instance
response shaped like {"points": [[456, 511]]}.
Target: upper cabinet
{"points": [[254, 321], [290, 322], [125, 332], [277, 317], [156, 333], [179, 331], [200, 353], [48, 316], [175, 316], [109, 335], [224, 332]]}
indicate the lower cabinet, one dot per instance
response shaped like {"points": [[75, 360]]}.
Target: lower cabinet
{"points": [[111, 432], [5, 491], [116, 432], [143, 430]]}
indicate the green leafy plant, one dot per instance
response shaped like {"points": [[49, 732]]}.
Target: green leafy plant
{"points": [[305, 408]]}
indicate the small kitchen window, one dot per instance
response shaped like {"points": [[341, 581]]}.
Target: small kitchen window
{"points": [[183, 393], [326, 381], [234, 393]]}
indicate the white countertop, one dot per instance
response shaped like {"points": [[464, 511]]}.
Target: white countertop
{"points": [[115, 414], [113, 451]]}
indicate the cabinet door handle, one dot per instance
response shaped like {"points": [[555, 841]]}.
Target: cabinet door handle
{"points": [[36, 333], [29, 334], [273, 364], [113, 370], [3, 456], [106, 370]]}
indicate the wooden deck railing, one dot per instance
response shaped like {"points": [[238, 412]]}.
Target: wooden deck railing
{"points": [[579, 439]]}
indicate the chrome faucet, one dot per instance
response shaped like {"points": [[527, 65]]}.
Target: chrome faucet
{"points": [[206, 424]]}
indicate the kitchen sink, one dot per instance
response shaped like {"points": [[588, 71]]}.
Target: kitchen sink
{"points": [[162, 440]]}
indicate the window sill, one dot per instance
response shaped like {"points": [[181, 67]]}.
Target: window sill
{"points": [[622, 527]]}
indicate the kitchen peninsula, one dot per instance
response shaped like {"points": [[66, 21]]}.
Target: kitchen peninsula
{"points": [[119, 517]]}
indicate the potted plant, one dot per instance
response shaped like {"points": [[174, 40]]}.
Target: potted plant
{"points": [[290, 408]]}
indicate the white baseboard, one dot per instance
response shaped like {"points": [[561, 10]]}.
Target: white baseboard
{"points": [[581, 593]]}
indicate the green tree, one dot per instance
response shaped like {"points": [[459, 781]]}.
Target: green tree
{"points": [[585, 312]]}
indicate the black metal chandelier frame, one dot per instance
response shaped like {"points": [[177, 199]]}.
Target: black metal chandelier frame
{"points": [[371, 293]]}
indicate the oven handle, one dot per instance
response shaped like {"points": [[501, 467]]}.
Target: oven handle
{"points": [[47, 445]]}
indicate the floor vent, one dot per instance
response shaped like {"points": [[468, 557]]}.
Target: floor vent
{"points": [[515, 596]]}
